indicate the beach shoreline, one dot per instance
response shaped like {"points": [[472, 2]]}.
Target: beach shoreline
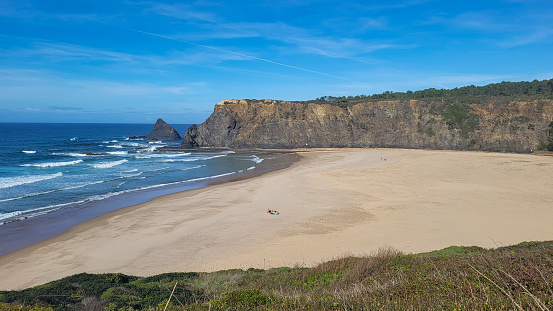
{"points": [[332, 202], [22, 233]]}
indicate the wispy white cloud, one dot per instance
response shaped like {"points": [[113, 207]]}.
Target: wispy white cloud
{"points": [[392, 5], [181, 11], [46, 87], [308, 41], [503, 28], [536, 36]]}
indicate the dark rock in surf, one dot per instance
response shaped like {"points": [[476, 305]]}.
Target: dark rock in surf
{"points": [[162, 131]]}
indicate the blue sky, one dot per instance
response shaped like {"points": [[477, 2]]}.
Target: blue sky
{"points": [[134, 61]]}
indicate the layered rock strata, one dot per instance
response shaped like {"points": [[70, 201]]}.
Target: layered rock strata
{"points": [[515, 126]]}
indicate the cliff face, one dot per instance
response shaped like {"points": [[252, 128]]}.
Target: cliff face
{"points": [[515, 126]]}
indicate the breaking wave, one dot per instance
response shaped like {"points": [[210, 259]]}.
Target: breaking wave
{"points": [[53, 164], [109, 164], [7, 182]]}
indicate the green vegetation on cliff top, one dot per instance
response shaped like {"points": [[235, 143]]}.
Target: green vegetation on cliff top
{"points": [[517, 277], [467, 94]]}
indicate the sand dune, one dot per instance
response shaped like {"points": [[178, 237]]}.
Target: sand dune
{"points": [[331, 203]]}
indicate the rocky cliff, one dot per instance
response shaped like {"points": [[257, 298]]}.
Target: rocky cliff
{"points": [[496, 125], [162, 131]]}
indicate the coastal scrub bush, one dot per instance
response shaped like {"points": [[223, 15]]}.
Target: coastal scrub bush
{"points": [[518, 277]]}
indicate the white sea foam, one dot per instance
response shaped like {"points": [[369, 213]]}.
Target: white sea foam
{"points": [[256, 159], [109, 164], [131, 171], [250, 168], [148, 149], [28, 151], [19, 215], [131, 175], [118, 152], [115, 146], [162, 155], [71, 154], [7, 182], [82, 185], [34, 212], [34, 194], [215, 156], [111, 141], [191, 168], [53, 164], [157, 169], [74, 138], [178, 160], [9, 215], [27, 196]]}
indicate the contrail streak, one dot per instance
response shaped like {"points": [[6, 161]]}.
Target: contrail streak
{"points": [[236, 53]]}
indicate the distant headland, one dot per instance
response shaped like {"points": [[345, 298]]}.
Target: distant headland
{"points": [[503, 117]]}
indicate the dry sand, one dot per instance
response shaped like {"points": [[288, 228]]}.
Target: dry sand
{"points": [[331, 203]]}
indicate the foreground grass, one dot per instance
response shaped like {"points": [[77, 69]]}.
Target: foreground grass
{"points": [[517, 277]]}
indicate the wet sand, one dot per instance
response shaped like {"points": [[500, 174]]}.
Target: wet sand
{"points": [[331, 203]]}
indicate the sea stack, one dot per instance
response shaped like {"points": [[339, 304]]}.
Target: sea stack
{"points": [[162, 131]]}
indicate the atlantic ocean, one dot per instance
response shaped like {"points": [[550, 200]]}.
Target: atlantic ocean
{"points": [[54, 176]]}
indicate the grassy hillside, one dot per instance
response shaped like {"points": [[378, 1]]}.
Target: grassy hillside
{"points": [[456, 278]]}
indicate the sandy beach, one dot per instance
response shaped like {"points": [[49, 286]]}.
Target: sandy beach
{"points": [[331, 203]]}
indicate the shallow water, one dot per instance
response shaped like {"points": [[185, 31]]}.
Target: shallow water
{"points": [[54, 176]]}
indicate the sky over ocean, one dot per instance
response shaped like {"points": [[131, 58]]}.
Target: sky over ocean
{"points": [[136, 61]]}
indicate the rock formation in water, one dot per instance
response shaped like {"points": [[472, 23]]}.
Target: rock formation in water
{"points": [[162, 131], [491, 123]]}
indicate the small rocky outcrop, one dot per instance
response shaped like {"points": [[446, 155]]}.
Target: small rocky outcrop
{"points": [[162, 131]]}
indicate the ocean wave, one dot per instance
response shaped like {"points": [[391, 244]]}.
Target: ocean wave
{"points": [[53, 164], [118, 152], [35, 212], [8, 215], [191, 159], [115, 146], [256, 159], [7, 182], [191, 168], [34, 194], [20, 215], [131, 175], [110, 141], [109, 164], [74, 138], [82, 185], [28, 151], [148, 149], [162, 155], [215, 156], [27, 196], [71, 154], [132, 144], [178, 160], [157, 169]]}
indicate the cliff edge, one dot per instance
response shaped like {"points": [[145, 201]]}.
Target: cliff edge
{"points": [[495, 123]]}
